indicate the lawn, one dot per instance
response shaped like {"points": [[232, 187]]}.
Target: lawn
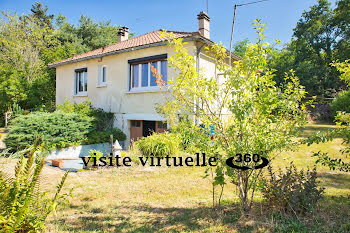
{"points": [[178, 199]]}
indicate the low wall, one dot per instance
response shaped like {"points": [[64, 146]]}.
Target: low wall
{"points": [[80, 151]]}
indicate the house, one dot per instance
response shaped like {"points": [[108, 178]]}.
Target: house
{"points": [[117, 77]]}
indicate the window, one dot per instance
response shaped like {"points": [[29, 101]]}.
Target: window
{"points": [[141, 76], [162, 125], [102, 76], [80, 82], [136, 123], [104, 70]]}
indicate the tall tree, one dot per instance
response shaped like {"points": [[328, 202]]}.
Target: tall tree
{"points": [[319, 38], [39, 12], [87, 35]]}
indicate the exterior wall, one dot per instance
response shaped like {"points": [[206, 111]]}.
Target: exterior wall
{"points": [[115, 96]]}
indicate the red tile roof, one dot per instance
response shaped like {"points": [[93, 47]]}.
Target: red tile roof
{"points": [[145, 39]]}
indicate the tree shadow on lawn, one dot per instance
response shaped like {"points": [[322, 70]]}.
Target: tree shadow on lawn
{"points": [[335, 180], [308, 130], [331, 216], [133, 218]]}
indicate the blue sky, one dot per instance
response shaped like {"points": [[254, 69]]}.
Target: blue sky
{"points": [[143, 16]]}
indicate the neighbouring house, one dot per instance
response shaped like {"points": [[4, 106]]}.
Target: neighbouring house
{"points": [[118, 78]]}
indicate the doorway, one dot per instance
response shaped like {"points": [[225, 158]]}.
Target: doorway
{"points": [[148, 128]]}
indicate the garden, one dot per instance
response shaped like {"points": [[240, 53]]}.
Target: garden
{"points": [[180, 180]]}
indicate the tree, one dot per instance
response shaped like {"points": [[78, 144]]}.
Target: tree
{"points": [[240, 47], [341, 21], [321, 36], [39, 12], [249, 114], [28, 43], [87, 35], [26, 49]]}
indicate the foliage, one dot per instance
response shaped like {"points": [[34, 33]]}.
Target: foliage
{"points": [[104, 136], [189, 140], [86, 35], [158, 144], [321, 36], [26, 49], [342, 130], [51, 129], [23, 207], [344, 69], [343, 126], [248, 112], [95, 153], [28, 43], [7, 153], [291, 190], [341, 103], [240, 47], [101, 120]]}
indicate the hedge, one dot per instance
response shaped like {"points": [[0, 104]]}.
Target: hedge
{"points": [[55, 129]]}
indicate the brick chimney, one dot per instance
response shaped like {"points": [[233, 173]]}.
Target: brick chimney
{"points": [[123, 34], [203, 24]]}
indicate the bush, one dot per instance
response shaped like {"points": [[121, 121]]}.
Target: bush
{"points": [[101, 120], [104, 136], [321, 112], [341, 103], [159, 144], [22, 207], [51, 129], [189, 140], [292, 191]]}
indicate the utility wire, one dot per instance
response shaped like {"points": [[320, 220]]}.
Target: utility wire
{"points": [[233, 22], [249, 3]]}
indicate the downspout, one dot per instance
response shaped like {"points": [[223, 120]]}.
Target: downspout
{"points": [[198, 68]]}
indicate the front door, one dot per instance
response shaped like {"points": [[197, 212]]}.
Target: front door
{"points": [[135, 131]]}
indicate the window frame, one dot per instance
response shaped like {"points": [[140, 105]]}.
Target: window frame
{"points": [[83, 71], [102, 73], [140, 62]]}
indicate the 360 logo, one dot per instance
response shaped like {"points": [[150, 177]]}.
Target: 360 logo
{"points": [[258, 160]]}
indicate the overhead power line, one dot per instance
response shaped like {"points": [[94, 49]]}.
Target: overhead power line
{"points": [[233, 21]]}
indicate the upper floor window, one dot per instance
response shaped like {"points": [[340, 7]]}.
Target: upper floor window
{"points": [[141, 76], [102, 75], [80, 81]]}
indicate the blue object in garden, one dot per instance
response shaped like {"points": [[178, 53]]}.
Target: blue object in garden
{"points": [[210, 131]]}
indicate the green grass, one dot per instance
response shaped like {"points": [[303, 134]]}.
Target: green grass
{"points": [[178, 199]]}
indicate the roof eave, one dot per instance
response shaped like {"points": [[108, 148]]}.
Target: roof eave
{"points": [[191, 38]]}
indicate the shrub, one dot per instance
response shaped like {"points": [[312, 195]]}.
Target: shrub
{"points": [[188, 138], [22, 207], [101, 120], [159, 144], [292, 191], [321, 112], [95, 153], [341, 103], [104, 136], [51, 129]]}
